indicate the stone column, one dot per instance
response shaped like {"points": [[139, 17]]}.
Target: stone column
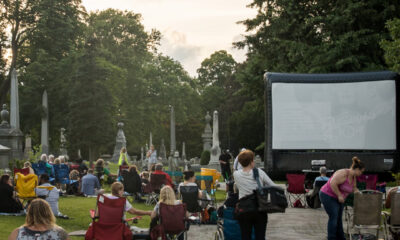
{"points": [[173, 140], [163, 152], [151, 140], [28, 146], [44, 140], [183, 152], [14, 119], [215, 150], [207, 135]]}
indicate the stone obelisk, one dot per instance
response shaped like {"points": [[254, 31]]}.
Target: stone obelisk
{"points": [[14, 118], [183, 152], [215, 149], [163, 152], [44, 139], [207, 135], [151, 140], [173, 140]]}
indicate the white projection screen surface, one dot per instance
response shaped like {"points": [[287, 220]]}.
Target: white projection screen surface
{"points": [[355, 115]]}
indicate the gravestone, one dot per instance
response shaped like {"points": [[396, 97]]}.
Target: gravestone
{"points": [[120, 142], [63, 143], [207, 135], [11, 140], [28, 146], [215, 149]]}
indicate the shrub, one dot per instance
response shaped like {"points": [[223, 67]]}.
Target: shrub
{"points": [[205, 157]]}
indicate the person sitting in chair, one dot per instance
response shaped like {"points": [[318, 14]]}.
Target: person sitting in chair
{"points": [[189, 180], [167, 196], [117, 191], [8, 202], [388, 203], [49, 193], [90, 184], [322, 177], [159, 170]]}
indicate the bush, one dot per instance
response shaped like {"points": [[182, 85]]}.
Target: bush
{"points": [[205, 157]]}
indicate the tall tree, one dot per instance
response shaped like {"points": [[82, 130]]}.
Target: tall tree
{"points": [[312, 37], [20, 16], [392, 46], [216, 78], [57, 33]]}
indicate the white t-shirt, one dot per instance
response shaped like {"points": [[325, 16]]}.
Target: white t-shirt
{"points": [[246, 183], [127, 204]]}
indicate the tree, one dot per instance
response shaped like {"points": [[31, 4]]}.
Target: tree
{"points": [[91, 123], [392, 47], [217, 85], [311, 37], [20, 15], [56, 35]]}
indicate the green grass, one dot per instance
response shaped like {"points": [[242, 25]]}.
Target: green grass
{"points": [[77, 208]]}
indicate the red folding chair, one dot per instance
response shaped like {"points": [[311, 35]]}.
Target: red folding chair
{"points": [[369, 179], [295, 191], [173, 220], [23, 171], [108, 220]]}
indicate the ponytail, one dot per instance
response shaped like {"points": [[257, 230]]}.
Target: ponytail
{"points": [[357, 163]]}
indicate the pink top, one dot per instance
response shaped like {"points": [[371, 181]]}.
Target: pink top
{"points": [[345, 188]]}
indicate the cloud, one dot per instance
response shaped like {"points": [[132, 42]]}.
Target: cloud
{"points": [[174, 44]]}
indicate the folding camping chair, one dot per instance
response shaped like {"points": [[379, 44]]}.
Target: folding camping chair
{"points": [[132, 184], [108, 220], [190, 197], [39, 168], [61, 173], [367, 212], [25, 186], [295, 190], [392, 219], [157, 181], [369, 179], [209, 186], [24, 171], [173, 220], [313, 200]]}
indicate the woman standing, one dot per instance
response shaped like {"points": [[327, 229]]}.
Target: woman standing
{"points": [[246, 184], [40, 223], [333, 194]]}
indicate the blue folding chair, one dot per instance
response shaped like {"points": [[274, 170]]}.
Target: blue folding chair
{"points": [[61, 173], [39, 168]]}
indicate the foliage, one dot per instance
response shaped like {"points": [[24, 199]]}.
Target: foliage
{"points": [[205, 157], [392, 47]]}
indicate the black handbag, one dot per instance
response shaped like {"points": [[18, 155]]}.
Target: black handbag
{"points": [[270, 199], [246, 204]]}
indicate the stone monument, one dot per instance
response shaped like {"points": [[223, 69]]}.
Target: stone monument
{"points": [[28, 146], [120, 142], [257, 161], [44, 137], [183, 152], [207, 135], [63, 143], [215, 149], [14, 119], [163, 152], [151, 140], [11, 137], [173, 140]]}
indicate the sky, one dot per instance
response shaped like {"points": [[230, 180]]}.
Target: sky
{"points": [[191, 29]]}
